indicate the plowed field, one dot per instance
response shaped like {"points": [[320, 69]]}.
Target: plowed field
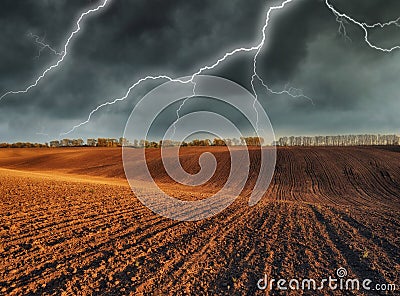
{"points": [[70, 224]]}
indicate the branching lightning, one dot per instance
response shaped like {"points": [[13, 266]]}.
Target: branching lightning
{"points": [[342, 27], [40, 41], [256, 48], [64, 53], [342, 18]]}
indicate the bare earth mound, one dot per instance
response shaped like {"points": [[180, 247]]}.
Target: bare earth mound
{"points": [[70, 224]]}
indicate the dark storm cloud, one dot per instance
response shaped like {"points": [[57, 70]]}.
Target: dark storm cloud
{"points": [[132, 39]]}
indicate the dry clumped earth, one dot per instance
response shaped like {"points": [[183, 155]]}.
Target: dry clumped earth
{"points": [[70, 224]]}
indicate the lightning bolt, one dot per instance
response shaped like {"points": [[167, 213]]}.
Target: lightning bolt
{"points": [[292, 92], [180, 108], [40, 42], [342, 27], [288, 90], [133, 86], [64, 53], [341, 18], [227, 55], [395, 22]]}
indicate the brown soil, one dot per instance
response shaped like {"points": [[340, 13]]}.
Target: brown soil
{"points": [[69, 224]]}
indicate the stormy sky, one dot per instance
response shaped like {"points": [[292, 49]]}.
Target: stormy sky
{"points": [[354, 88]]}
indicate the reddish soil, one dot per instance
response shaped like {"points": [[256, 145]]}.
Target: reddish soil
{"points": [[70, 224]]}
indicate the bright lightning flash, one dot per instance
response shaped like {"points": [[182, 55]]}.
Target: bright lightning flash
{"points": [[64, 53], [342, 18], [256, 48]]}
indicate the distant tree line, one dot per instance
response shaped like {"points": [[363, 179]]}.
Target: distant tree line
{"points": [[24, 145], [99, 142], [249, 141], [340, 140], [111, 142]]}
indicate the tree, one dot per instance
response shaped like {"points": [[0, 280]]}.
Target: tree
{"points": [[252, 141], [219, 142]]}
